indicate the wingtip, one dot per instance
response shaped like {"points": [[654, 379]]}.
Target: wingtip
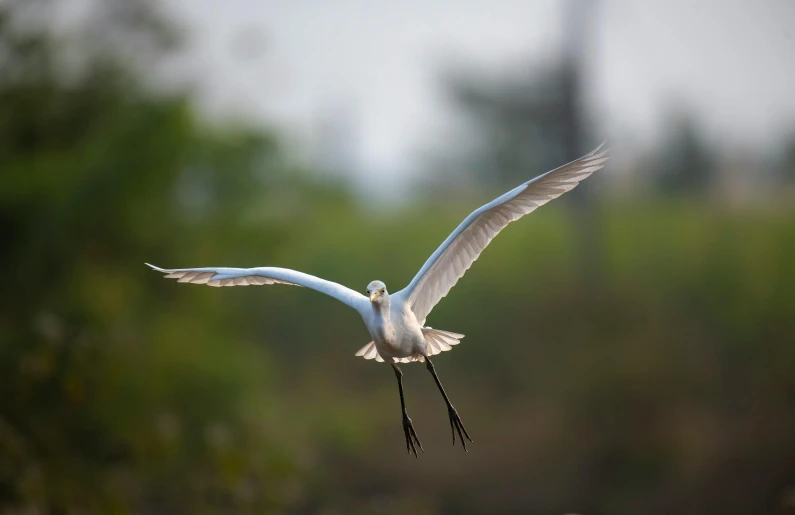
{"points": [[601, 148], [153, 267]]}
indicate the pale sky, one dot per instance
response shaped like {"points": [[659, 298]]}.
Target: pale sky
{"points": [[294, 63]]}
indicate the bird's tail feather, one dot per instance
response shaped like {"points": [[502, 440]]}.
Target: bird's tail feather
{"points": [[437, 340], [369, 352]]}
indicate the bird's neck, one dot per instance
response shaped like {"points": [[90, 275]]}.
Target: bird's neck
{"points": [[381, 309]]}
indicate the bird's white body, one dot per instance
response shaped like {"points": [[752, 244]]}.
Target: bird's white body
{"points": [[397, 322], [395, 330]]}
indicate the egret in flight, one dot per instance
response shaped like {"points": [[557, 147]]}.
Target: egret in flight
{"points": [[396, 321]]}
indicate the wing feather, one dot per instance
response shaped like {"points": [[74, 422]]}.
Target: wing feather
{"points": [[457, 253], [264, 276]]}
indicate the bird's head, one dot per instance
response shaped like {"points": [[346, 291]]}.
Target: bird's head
{"points": [[377, 293]]}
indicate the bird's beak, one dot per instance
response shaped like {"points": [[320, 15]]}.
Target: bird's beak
{"points": [[373, 296]]}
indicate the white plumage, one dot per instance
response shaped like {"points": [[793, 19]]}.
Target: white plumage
{"points": [[436, 340], [454, 257], [396, 322], [439, 273], [216, 276]]}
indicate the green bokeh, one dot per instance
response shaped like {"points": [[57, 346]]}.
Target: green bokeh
{"points": [[664, 384]]}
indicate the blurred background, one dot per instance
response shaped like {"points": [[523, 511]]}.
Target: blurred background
{"points": [[629, 347]]}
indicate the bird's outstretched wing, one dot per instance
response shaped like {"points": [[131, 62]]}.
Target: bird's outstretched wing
{"points": [[443, 269], [265, 275]]}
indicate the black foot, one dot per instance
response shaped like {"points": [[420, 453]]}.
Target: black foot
{"points": [[457, 425], [411, 436]]}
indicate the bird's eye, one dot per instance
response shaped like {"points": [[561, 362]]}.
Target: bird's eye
{"points": [[382, 291]]}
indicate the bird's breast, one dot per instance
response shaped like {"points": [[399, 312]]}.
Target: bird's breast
{"points": [[393, 333], [387, 338], [389, 334]]}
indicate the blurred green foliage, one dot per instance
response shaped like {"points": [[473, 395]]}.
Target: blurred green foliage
{"points": [[668, 388]]}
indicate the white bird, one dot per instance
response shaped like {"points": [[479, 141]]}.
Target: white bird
{"points": [[396, 322]]}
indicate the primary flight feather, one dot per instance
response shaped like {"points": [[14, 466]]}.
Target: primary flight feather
{"points": [[396, 322]]}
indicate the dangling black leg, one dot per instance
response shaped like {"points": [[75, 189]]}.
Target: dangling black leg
{"points": [[408, 427], [455, 420]]}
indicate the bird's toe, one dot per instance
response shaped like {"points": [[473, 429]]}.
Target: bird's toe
{"points": [[457, 426], [412, 440]]}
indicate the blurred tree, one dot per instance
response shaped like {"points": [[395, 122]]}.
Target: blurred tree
{"points": [[523, 125], [531, 121], [669, 392], [685, 165], [518, 124], [785, 166], [99, 413]]}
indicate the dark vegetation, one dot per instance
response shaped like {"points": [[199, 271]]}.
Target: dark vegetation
{"points": [[665, 386]]}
